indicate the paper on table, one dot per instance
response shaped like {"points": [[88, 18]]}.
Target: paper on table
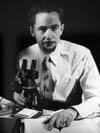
{"points": [[82, 126], [26, 113], [36, 126], [5, 107], [4, 101]]}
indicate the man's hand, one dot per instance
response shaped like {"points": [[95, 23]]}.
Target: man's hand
{"points": [[61, 119], [19, 98]]}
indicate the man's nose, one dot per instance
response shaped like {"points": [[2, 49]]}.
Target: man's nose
{"points": [[48, 34]]}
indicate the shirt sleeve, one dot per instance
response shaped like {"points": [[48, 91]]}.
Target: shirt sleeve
{"points": [[90, 83]]}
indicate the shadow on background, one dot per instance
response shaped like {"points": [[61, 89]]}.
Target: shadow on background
{"points": [[1, 66]]}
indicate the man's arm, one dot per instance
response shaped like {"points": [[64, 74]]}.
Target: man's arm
{"points": [[90, 83]]}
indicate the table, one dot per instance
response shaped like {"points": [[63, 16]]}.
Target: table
{"points": [[83, 126], [79, 126], [9, 124]]}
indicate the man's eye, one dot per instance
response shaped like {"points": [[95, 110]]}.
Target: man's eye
{"points": [[43, 29], [55, 27]]}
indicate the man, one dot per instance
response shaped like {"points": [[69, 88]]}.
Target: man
{"points": [[70, 65]]}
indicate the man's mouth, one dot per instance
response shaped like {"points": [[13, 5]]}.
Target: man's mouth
{"points": [[48, 43], [48, 46]]}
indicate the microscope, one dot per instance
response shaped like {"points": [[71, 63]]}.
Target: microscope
{"points": [[25, 82]]}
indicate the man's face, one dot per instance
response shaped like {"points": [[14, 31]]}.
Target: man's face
{"points": [[47, 31]]}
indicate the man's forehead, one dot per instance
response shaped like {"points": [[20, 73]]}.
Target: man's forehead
{"points": [[45, 18]]}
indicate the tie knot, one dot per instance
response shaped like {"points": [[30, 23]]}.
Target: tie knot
{"points": [[44, 63]]}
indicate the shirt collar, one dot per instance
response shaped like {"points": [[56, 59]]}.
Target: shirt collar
{"points": [[54, 55]]}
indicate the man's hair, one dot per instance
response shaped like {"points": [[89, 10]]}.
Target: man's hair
{"points": [[44, 7]]}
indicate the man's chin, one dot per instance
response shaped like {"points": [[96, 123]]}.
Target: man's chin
{"points": [[48, 50]]}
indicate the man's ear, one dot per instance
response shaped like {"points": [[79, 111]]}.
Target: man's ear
{"points": [[32, 30], [62, 28]]}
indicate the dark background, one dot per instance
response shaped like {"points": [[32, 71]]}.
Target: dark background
{"points": [[82, 25]]}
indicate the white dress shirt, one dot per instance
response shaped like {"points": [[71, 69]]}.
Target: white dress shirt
{"points": [[71, 62]]}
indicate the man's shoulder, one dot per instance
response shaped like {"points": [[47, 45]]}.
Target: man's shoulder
{"points": [[70, 47], [74, 52], [29, 51]]}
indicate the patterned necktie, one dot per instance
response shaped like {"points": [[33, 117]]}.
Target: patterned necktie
{"points": [[47, 84]]}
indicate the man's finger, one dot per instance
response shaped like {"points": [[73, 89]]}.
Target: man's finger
{"points": [[47, 120], [20, 101], [52, 122], [59, 122], [68, 120]]}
